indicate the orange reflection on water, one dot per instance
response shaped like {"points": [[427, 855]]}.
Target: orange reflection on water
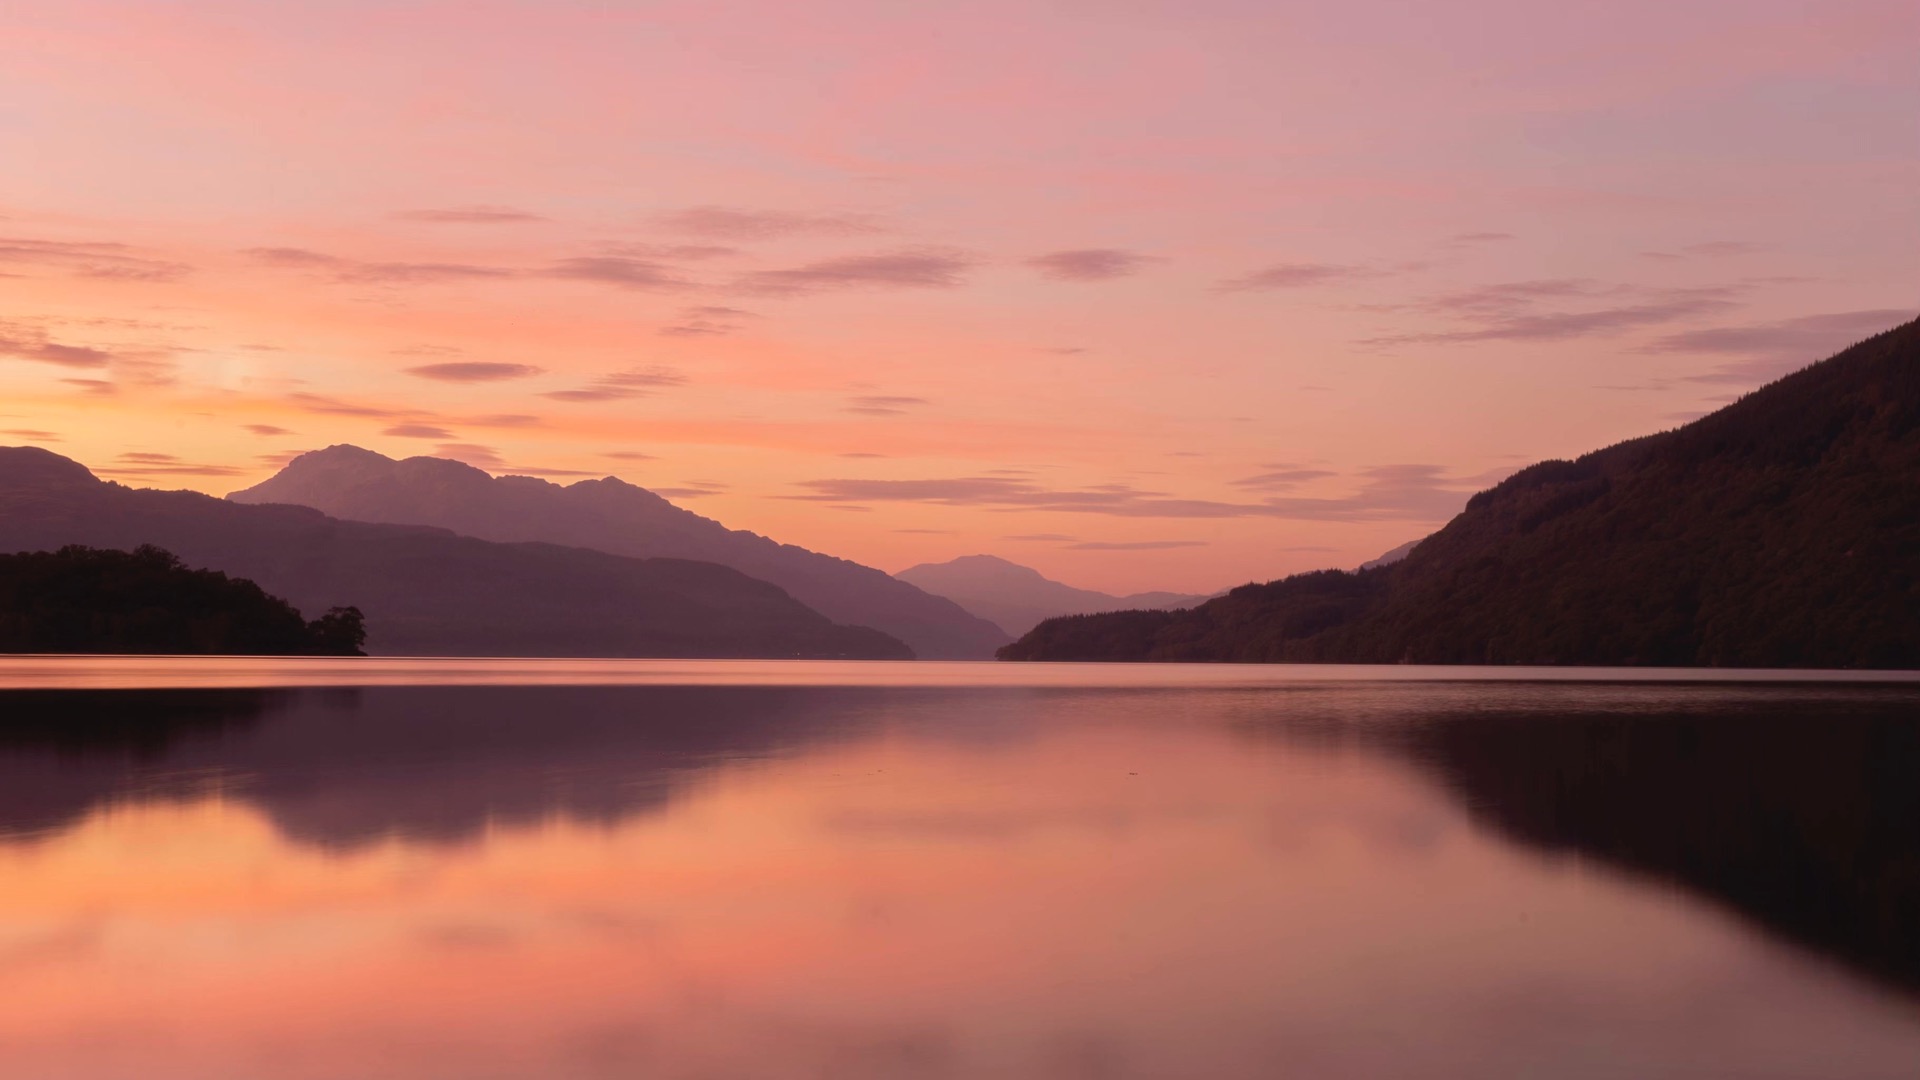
{"points": [[1132, 888], [42, 672]]}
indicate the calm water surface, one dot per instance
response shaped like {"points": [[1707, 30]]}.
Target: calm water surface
{"points": [[222, 870]]}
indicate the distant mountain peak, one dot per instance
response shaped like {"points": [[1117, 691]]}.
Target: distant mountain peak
{"points": [[346, 451], [978, 564], [1015, 597], [428, 591], [1396, 555], [609, 514], [984, 559], [32, 466]]}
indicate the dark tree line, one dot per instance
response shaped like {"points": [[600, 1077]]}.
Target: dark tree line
{"points": [[92, 600]]}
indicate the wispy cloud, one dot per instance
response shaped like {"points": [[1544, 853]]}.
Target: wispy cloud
{"points": [[707, 320], [735, 223], [1383, 493], [329, 406], [473, 371], [402, 273], [41, 350], [135, 365], [622, 384], [1768, 350], [622, 271], [691, 489], [141, 464], [1089, 264], [1292, 276], [914, 268], [352, 271], [1510, 296], [1135, 545], [100, 261], [1712, 249], [884, 404], [267, 429], [418, 431], [480, 457], [292, 257], [471, 215], [1511, 311], [678, 252], [502, 420], [1470, 239], [587, 394], [1283, 478]]}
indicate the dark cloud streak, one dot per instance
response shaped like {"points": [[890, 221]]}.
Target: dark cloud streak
{"points": [[1292, 276], [914, 268], [1384, 493], [471, 215], [473, 371], [734, 223], [1089, 264]]}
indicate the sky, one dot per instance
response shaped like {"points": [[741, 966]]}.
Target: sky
{"points": [[1143, 294]]}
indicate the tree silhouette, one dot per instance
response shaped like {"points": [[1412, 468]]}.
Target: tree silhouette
{"points": [[92, 600]]}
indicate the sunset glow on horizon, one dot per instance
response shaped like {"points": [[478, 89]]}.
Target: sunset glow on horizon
{"points": [[1145, 295]]}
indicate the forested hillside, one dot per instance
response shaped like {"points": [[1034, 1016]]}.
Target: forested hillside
{"points": [[87, 600], [1780, 531]]}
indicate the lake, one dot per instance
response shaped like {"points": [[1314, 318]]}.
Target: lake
{"points": [[222, 869]]}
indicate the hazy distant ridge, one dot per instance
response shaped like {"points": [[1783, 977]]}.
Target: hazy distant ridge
{"points": [[613, 516], [427, 591], [1016, 597]]}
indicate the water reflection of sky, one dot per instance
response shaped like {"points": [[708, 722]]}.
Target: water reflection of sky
{"points": [[1367, 881]]}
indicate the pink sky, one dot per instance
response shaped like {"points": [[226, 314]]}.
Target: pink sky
{"points": [[1142, 294]]}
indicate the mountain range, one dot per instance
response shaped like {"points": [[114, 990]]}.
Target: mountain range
{"points": [[1780, 531], [429, 591], [613, 516], [1017, 598]]}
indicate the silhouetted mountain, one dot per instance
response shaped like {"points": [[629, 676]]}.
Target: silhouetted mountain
{"points": [[1015, 597], [86, 600], [428, 591], [614, 516], [1780, 531]]}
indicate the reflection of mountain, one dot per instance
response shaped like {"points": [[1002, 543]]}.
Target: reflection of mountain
{"points": [[1016, 597], [1796, 807], [427, 592], [339, 768], [64, 751], [1803, 815], [613, 516]]}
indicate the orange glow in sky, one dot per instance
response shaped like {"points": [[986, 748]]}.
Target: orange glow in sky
{"points": [[1146, 294]]}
